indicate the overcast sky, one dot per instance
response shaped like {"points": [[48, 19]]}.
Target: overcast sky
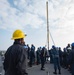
{"points": [[30, 17]]}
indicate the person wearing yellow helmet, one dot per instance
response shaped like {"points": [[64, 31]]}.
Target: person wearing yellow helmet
{"points": [[18, 34], [15, 61]]}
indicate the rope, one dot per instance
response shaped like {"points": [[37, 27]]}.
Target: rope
{"points": [[51, 38]]}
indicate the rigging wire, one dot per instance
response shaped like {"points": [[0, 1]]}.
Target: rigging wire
{"points": [[52, 38]]}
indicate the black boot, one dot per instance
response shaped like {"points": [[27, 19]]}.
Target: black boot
{"points": [[26, 73], [55, 72], [43, 69], [59, 72]]}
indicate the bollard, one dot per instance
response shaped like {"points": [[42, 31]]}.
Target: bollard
{"points": [[47, 72], [0, 73]]}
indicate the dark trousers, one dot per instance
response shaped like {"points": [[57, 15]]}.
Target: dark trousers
{"points": [[42, 62], [57, 64]]}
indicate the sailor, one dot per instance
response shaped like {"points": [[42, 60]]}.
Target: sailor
{"points": [[56, 60], [71, 59]]}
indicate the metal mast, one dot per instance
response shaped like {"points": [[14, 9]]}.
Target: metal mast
{"points": [[47, 25]]}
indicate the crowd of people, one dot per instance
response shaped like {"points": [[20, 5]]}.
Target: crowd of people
{"points": [[19, 55], [58, 57], [36, 56]]}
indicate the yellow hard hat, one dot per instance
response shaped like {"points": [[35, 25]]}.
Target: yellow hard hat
{"points": [[18, 34]]}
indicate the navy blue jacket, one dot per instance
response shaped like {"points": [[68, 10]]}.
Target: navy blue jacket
{"points": [[15, 60], [71, 61]]}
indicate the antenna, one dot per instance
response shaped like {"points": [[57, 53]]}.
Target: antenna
{"points": [[48, 31], [47, 24]]}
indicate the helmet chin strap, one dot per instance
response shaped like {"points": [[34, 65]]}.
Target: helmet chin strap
{"points": [[22, 41]]}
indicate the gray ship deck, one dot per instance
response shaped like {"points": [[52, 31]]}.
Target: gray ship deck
{"points": [[35, 70]]}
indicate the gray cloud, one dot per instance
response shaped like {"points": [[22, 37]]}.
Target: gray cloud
{"points": [[25, 12], [15, 14]]}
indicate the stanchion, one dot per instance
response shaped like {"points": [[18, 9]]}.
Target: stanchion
{"points": [[47, 73]]}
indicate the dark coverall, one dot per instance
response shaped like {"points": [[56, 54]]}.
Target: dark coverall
{"points": [[43, 56], [50, 54], [38, 56], [71, 61], [56, 60], [15, 60], [32, 56]]}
